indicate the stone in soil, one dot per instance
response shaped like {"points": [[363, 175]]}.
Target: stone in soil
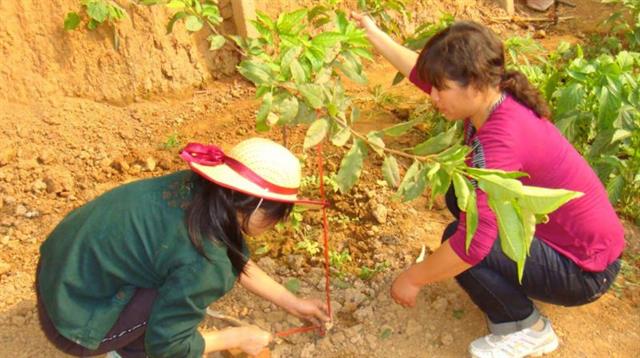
{"points": [[380, 213]]}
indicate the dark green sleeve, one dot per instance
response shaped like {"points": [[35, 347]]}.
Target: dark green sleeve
{"points": [[180, 307]]}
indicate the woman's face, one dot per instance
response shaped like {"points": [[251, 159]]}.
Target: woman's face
{"points": [[258, 223], [455, 101]]}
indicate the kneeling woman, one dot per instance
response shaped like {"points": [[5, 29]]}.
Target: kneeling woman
{"points": [[134, 270]]}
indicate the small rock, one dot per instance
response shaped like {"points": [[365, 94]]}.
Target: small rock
{"points": [[32, 214], [105, 162], [6, 156], [4, 267], [440, 304], [150, 164], [164, 164], [352, 299], [28, 164], [338, 338], [540, 34], [38, 186], [21, 210], [267, 264], [17, 320], [371, 340], [446, 339], [9, 200], [58, 179], [307, 350], [413, 327], [135, 169], [364, 314], [380, 213], [120, 165], [46, 157], [295, 261]]}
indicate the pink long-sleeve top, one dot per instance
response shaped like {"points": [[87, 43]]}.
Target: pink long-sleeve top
{"points": [[586, 230]]}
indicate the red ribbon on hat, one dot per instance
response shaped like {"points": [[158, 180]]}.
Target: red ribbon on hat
{"points": [[211, 155]]}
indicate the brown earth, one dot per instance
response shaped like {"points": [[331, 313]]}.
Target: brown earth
{"points": [[79, 117]]}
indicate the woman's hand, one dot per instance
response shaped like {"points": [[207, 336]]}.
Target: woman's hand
{"points": [[366, 23], [251, 339], [312, 310], [403, 291]]}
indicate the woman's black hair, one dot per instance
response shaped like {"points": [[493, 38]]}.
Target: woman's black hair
{"points": [[213, 215]]}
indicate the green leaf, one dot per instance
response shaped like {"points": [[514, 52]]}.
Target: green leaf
{"points": [[306, 115], [351, 166], [342, 22], [614, 189], [399, 129], [462, 190], [529, 221], [92, 24], [500, 189], [263, 112], [416, 186], [352, 68], [177, 16], [362, 52], [376, 142], [409, 176], [176, 4], [341, 137], [216, 42], [313, 94], [193, 23], [475, 172], [327, 39], [291, 22], [297, 72], [316, 132], [609, 105], [390, 171], [212, 13], [290, 55], [97, 10], [472, 217], [397, 79], [287, 106], [256, 72], [569, 98], [544, 200], [437, 143], [440, 182], [511, 232], [293, 285], [72, 21]]}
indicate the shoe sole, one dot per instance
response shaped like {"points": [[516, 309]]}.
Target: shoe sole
{"points": [[550, 347]]}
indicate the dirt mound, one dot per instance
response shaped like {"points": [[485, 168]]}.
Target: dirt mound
{"points": [[41, 59]]}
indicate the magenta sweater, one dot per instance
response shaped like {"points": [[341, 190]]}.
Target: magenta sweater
{"points": [[586, 230]]}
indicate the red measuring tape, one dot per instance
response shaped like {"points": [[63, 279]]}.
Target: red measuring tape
{"points": [[325, 238]]}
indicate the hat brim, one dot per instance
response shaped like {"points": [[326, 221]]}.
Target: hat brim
{"points": [[226, 177]]}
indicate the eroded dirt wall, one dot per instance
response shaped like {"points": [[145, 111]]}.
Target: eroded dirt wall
{"points": [[41, 59]]}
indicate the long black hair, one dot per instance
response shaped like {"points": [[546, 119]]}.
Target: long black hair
{"points": [[471, 54], [213, 215]]}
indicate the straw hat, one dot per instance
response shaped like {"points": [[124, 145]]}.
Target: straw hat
{"points": [[256, 166]]}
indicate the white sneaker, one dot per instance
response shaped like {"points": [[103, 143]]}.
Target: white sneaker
{"points": [[526, 342], [112, 354]]}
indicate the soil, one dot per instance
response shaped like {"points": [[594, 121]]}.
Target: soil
{"points": [[80, 118]]}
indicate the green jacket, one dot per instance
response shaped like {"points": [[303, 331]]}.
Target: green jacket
{"points": [[133, 236]]}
